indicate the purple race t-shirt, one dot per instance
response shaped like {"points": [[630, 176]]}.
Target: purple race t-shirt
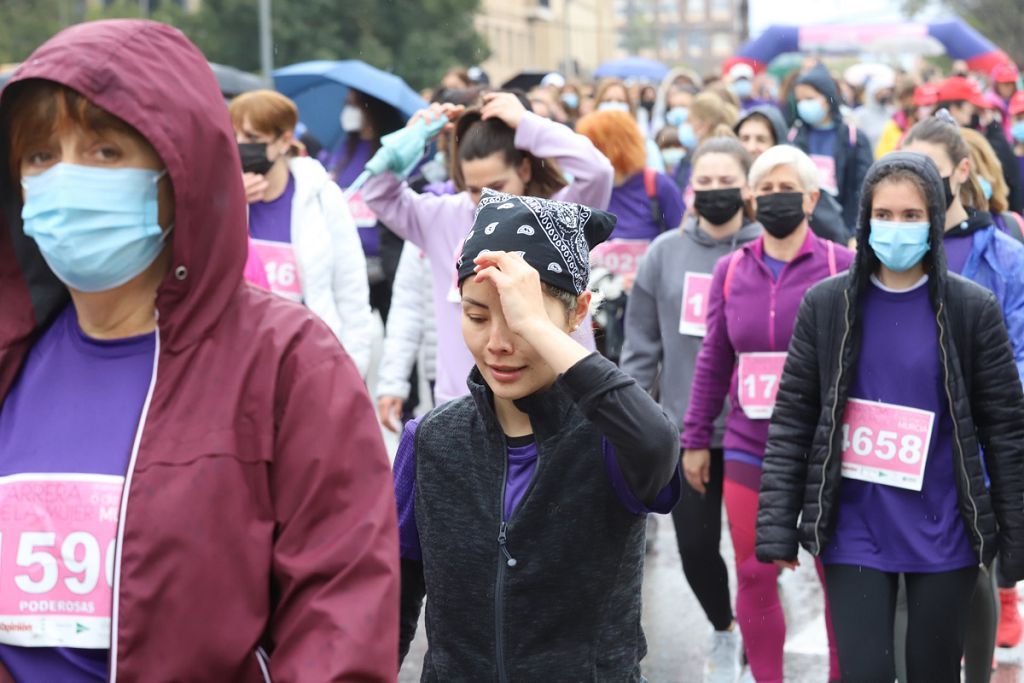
{"points": [[774, 265], [883, 527], [522, 464], [958, 250], [272, 221], [632, 206], [74, 409]]}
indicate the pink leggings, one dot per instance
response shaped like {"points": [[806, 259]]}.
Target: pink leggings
{"points": [[758, 610]]}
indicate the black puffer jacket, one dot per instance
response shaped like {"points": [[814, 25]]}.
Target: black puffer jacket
{"points": [[802, 465]]}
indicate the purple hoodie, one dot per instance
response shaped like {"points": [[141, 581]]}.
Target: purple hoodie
{"points": [[438, 225], [758, 316]]}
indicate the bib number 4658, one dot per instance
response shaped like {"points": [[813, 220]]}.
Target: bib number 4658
{"points": [[885, 445]]}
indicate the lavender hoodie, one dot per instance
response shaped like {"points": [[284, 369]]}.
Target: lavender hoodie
{"points": [[757, 317], [438, 225]]}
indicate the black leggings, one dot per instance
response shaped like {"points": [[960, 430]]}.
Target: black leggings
{"points": [[863, 603], [698, 522]]}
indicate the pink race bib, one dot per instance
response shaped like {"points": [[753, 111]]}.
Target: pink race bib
{"points": [[621, 257], [282, 269], [885, 443], [694, 315], [826, 173], [361, 213], [759, 377], [57, 535]]}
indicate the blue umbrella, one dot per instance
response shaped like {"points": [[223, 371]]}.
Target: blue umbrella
{"points": [[319, 88], [632, 67]]}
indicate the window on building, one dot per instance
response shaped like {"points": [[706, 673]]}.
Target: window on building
{"points": [[721, 10], [697, 44], [696, 10], [721, 45]]}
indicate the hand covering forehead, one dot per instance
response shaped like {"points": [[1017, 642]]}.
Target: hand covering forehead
{"points": [[553, 237]]}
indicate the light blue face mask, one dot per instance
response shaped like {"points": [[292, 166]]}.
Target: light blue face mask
{"points": [[613, 106], [742, 88], [96, 227], [1017, 131], [986, 187], [687, 138], [811, 111], [899, 246], [672, 156], [571, 100], [676, 116]]}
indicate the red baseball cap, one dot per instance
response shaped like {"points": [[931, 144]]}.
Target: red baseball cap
{"points": [[926, 95], [1017, 103], [1004, 73], [959, 89]]}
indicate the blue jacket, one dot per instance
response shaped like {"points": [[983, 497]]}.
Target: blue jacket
{"points": [[996, 262]]}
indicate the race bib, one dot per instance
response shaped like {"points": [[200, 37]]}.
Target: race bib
{"points": [[621, 257], [826, 173], [282, 268], [759, 377], [57, 535], [361, 213], [694, 315], [885, 443]]}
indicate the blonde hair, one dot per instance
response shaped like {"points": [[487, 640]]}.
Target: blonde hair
{"points": [[268, 112], [714, 111], [986, 164]]}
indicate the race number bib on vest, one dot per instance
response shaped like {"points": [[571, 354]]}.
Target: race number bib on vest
{"points": [[57, 534], [885, 443], [621, 257], [361, 213], [282, 268], [759, 377], [693, 319]]}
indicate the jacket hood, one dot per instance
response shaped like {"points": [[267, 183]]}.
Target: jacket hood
{"points": [[865, 262], [149, 75], [692, 229], [775, 120], [821, 80]]}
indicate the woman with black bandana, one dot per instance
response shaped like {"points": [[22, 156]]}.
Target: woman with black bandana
{"points": [[529, 577], [752, 303]]}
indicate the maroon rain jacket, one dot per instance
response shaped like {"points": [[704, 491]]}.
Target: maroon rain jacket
{"points": [[258, 514]]}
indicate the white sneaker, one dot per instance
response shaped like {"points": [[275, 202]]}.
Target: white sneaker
{"points": [[748, 676], [723, 662]]}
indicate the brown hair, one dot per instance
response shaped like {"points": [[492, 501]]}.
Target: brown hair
{"points": [[607, 83], [616, 135], [730, 146], [268, 112], [986, 164], [43, 108], [476, 138], [936, 131]]}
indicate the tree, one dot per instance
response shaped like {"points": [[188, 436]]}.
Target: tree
{"points": [[416, 39], [1001, 21]]}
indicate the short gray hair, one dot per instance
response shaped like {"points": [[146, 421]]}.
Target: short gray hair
{"points": [[785, 155]]}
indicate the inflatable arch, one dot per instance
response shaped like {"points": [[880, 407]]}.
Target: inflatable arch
{"points": [[960, 41]]}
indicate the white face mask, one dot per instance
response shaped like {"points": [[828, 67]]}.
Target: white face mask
{"points": [[351, 119]]}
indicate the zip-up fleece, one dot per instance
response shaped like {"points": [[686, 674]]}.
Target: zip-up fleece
{"points": [[258, 512], [758, 316], [802, 472]]}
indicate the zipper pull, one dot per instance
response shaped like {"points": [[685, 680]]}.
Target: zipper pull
{"points": [[502, 537]]}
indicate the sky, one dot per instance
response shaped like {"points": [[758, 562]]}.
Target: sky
{"points": [[764, 13]]}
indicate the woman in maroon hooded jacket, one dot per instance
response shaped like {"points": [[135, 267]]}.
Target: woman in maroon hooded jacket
{"points": [[192, 483]]}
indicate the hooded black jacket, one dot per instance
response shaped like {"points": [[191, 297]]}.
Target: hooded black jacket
{"points": [[852, 152], [802, 466]]}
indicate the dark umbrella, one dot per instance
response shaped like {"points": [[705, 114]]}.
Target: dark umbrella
{"points": [[319, 89], [234, 81], [524, 80]]}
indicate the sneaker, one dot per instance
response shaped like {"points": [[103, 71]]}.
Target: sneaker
{"points": [[723, 662], [748, 676], [1010, 627]]}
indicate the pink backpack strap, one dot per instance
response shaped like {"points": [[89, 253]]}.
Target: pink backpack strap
{"points": [[791, 136], [730, 271], [853, 135], [832, 269]]}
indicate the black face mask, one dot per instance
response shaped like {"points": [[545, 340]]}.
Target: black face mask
{"points": [[781, 213], [948, 191], [254, 157], [718, 206]]}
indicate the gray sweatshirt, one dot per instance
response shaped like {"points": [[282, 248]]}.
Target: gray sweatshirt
{"points": [[654, 343]]}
